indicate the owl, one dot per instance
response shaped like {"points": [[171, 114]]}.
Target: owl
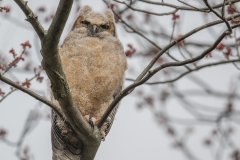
{"points": [[94, 63]]}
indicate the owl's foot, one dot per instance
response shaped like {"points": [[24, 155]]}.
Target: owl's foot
{"points": [[104, 127], [91, 120]]}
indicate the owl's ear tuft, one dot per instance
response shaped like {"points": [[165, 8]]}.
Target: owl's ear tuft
{"points": [[109, 14], [112, 29], [80, 16], [85, 10]]}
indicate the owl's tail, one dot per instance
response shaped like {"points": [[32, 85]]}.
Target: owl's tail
{"points": [[65, 145]]}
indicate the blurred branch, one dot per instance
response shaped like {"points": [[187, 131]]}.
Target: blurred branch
{"points": [[200, 82], [137, 32], [236, 43], [5, 96], [212, 92], [17, 22], [189, 8], [180, 143], [125, 9], [192, 6], [148, 12], [31, 122]]}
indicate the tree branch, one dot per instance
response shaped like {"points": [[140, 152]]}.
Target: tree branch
{"points": [[31, 93], [58, 23], [31, 18], [185, 73]]}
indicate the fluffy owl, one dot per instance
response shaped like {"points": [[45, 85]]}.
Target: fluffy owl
{"points": [[94, 63]]}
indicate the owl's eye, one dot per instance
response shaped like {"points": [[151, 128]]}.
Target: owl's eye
{"points": [[105, 26], [85, 22]]}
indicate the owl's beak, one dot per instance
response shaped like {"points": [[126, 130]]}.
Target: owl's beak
{"points": [[94, 29]]}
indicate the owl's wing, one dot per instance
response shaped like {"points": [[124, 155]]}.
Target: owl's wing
{"points": [[64, 146], [114, 111]]}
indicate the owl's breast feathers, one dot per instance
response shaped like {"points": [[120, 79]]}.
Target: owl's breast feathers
{"points": [[94, 69]]}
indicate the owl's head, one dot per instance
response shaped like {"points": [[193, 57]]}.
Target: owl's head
{"points": [[95, 23]]}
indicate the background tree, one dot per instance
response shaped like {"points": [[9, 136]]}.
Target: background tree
{"points": [[167, 43]]}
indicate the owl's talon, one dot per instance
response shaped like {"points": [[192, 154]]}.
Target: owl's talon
{"points": [[104, 127], [109, 119], [103, 139], [91, 120], [103, 135]]}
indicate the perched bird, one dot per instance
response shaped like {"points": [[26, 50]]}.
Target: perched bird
{"points": [[94, 63]]}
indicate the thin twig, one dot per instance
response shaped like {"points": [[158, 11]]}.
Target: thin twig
{"points": [[14, 62], [219, 16], [193, 6], [135, 31], [14, 89], [31, 17], [148, 12], [31, 93], [188, 8]]}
